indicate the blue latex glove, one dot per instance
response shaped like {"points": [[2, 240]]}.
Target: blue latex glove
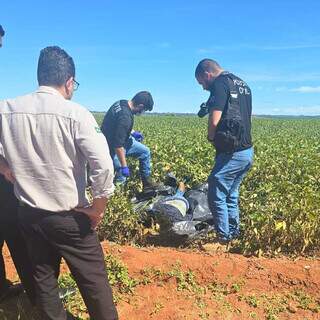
{"points": [[125, 171], [137, 135]]}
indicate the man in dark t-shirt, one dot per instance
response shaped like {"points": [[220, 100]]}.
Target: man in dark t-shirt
{"points": [[123, 142], [230, 167]]}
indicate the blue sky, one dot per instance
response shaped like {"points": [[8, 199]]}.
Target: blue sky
{"points": [[121, 47]]}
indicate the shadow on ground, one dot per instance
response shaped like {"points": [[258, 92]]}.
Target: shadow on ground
{"points": [[17, 308]]}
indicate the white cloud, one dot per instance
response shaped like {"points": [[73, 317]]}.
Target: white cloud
{"points": [[212, 49], [280, 77], [288, 47], [163, 45], [204, 50], [302, 89], [304, 110], [306, 89], [290, 111], [281, 89]]}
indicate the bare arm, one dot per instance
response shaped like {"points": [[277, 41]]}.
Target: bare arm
{"points": [[214, 118], [5, 170], [95, 212], [121, 156], [3, 165]]}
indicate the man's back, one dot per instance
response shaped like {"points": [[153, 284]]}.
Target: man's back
{"points": [[220, 92], [46, 141], [117, 124]]}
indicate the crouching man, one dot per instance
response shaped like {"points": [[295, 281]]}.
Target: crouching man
{"points": [[123, 142]]}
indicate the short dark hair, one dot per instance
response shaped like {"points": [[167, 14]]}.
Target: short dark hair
{"points": [[2, 33], [145, 98], [206, 65], [55, 67]]}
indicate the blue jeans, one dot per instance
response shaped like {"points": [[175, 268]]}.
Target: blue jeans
{"points": [[136, 150], [223, 193]]}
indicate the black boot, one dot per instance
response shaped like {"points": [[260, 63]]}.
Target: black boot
{"points": [[10, 290], [149, 184]]}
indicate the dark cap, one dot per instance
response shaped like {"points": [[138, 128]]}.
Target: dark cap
{"points": [[1, 31], [145, 98]]}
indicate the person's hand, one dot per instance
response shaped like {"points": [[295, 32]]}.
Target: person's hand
{"points": [[125, 171], [137, 135], [9, 175], [210, 140], [6, 171], [95, 212]]}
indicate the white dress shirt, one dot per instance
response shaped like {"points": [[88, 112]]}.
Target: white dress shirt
{"points": [[48, 141]]}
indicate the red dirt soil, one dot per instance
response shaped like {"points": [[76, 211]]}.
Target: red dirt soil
{"points": [[257, 281]]}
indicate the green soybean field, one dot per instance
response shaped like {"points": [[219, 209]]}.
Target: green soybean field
{"points": [[280, 197]]}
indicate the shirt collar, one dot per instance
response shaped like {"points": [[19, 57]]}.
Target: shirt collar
{"points": [[127, 105], [223, 73], [50, 90]]}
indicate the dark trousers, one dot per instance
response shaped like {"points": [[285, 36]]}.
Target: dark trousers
{"points": [[10, 233], [49, 237], [3, 277]]}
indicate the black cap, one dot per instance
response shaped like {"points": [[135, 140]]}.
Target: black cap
{"points": [[1, 31], [145, 98]]}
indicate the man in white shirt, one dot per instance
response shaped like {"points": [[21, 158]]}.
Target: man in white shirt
{"points": [[47, 142]]}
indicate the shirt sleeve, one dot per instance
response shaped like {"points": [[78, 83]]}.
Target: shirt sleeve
{"points": [[1, 147], [122, 130], [1, 150], [93, 145], [219, 96]]}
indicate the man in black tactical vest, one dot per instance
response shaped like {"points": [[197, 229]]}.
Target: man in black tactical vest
{"points": [[229, 130]]}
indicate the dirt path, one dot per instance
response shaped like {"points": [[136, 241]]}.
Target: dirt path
{"points": [[184, 284]]}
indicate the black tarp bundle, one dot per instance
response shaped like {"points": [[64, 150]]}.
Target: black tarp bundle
{"points": [[187, 216]]}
